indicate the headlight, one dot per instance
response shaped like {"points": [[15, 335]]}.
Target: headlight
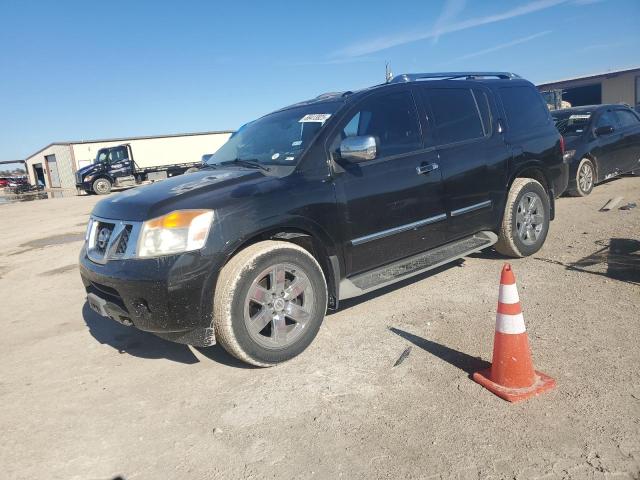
{"points": [[175, 232], [88, 178], [568, 155]]}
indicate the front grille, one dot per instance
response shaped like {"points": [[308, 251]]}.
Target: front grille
{"points": [[112, 240], [103, 235], [124, 240]]}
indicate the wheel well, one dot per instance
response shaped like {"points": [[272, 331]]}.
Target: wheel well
{"points": [[538, 175], [311, 244]]}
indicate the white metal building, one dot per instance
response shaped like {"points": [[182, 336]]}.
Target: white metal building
{"points": [[56, 164], [621, 86]]}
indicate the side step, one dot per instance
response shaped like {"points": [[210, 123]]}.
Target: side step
{"points": [[408, 267]]}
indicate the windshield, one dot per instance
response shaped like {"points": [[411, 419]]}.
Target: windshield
{"points": [[278, 138], [571, 123]]}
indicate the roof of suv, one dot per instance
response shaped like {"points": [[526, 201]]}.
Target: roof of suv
{"points": [[439, 77]]}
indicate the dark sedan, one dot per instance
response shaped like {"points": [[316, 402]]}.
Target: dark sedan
{"points": [[601, 141]]}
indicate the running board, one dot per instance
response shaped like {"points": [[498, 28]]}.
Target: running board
{"points": [[408, 267]]}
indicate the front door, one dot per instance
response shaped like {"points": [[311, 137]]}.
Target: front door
{"points": [[393, 204], [629, 158], [608, 147], [54, 176]]}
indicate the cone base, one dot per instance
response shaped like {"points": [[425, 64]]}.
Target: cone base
{"points": [[541, 384]]}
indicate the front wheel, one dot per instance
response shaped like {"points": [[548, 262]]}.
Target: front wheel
{"points": [[585, 179], [102, 186], [525, 222], [269, 303]]}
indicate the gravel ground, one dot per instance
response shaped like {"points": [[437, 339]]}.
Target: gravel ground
{"points": [[86, 398]]}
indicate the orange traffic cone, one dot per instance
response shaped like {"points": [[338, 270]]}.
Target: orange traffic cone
{"points": [[511, 375]]}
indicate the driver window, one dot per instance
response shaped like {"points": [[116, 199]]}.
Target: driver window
{"points": [[391, 119], [607, 119]]}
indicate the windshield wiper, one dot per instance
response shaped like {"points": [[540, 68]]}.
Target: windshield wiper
{"points": [[246, 162]]}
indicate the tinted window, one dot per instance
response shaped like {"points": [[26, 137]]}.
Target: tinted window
{"points": [[626, 118], [455, 114], [391, 119], [571, 123], [482, 102], [524, 108], [607, 119]]}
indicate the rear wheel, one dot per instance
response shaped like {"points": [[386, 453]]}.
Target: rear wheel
{"points": [[525, 222], [269, 303], [585, 179], [102, 186]]}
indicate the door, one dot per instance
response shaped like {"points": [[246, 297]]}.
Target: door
{"points": [[629, 157], [52, 166], [119, 162], [608, 147], [473, 158], [392, 204]]}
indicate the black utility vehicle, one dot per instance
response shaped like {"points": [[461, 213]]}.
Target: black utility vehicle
{"points": [[602, 142], [326, 200]]}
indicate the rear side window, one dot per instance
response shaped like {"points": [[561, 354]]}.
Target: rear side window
{"points": [[524, 108], [455, 114], [626, 118], [392, 119]]}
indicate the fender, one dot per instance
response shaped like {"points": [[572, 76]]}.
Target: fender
{"points": [[537, 170]]}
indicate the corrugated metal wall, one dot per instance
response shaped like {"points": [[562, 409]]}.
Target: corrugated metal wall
{"points": [[64, 159]]}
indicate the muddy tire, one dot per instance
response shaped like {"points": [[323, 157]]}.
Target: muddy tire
{"points": [[525, 222], [269, 303], [101, 186], [585, 179]]}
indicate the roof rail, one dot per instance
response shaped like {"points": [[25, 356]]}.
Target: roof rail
{"points": [[412, 77]]}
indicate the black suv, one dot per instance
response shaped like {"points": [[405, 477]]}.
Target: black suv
{"points": [[325, 200], [603, 141]]}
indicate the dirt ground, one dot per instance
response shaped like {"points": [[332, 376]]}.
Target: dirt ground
{"points": [[85, 398]]}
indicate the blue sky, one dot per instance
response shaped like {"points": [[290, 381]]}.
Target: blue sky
{"points": [[83, 70]]}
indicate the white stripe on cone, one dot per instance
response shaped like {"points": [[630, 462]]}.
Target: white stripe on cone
{"points": [[508, 294], [512, 324]]}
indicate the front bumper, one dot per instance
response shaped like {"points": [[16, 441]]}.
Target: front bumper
{"points": [[170, 296]]}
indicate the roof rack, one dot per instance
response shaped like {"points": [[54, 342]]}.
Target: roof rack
{"points": [[412, 77]]}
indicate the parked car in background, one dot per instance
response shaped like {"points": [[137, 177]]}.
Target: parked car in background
{"points": [[4, 182], [325, 200], [601, 141]]}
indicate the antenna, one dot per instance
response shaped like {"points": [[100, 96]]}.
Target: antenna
{"points": [[388, 74]]}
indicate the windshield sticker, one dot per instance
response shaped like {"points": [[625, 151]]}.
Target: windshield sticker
{"points": [[288, 159], [275, 156], [580, 117], [296, 143], [315, 117]]}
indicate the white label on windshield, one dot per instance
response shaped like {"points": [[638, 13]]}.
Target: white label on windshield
{"points": [[315, 117], [580, 117], [275, 156], [289, 159], [296, 143]]}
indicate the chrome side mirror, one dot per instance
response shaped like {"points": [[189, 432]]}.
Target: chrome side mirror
{"points": [[358, 149]]}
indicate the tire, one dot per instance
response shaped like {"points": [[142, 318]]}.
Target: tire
{"points": [[101, 186], [585, 179], [511, 241], [234, 312]]}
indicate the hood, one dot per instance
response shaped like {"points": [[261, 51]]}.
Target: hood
{"points": [[88, 168], [203, 189]]}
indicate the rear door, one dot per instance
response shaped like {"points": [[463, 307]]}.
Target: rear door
{"points": [[54, 175], [472, 155], [629, 156], [393, 204]]}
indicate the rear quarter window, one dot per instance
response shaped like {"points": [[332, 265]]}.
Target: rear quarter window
{"points": [[524, 108]]}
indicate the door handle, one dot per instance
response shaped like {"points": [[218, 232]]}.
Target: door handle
{"points": [[424, 169]]}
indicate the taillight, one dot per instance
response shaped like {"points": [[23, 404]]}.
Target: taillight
{"points": [[562, 144]]}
